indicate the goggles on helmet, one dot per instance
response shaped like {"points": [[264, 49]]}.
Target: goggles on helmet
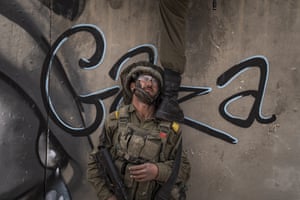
{"points": [[147, 78]]}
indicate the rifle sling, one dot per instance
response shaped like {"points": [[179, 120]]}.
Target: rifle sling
{"points": [[165, 191]]}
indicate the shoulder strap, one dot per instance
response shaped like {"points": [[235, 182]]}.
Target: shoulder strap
{"points": [[164, 191], [164, 131], [123, 118], [164, 126]]}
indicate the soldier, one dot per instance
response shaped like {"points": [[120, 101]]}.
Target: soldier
{"points": [[144, 148]]}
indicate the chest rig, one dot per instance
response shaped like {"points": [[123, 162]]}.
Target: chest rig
{"points": [[137, 144]]}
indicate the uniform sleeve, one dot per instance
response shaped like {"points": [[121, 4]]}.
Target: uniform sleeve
{"points": [[93, 170], [93, 173], [185, 169]]}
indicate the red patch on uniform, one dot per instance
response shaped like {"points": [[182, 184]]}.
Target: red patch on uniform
{"points": [[162, 135]]}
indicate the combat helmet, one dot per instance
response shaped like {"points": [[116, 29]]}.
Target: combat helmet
{"points": [[132, 72]]}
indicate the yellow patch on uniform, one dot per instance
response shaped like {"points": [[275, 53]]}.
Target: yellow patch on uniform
{"points": [[175, 127], [117, 114]]}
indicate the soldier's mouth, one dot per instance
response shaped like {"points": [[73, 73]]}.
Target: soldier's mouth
{"points": [[148, 89]]}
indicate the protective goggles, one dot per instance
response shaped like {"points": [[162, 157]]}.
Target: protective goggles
{"points": [[147, 78]]}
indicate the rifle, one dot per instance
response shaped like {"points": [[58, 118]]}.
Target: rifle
{"points": [[112, 176]]}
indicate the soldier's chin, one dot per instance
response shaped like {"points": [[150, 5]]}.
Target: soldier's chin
{"points": [[144, 96], [150, 93]]}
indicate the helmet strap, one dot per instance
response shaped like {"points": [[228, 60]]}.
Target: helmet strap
{"points": [[142, 95]]}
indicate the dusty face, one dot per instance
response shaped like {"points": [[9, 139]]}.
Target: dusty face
{"points": [[149, 84]]}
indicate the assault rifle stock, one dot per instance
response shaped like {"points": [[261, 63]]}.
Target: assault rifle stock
{"points": [[112, 176]]}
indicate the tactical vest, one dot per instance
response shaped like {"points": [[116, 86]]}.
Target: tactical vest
{"points": [[138, 145], [134, 145]]}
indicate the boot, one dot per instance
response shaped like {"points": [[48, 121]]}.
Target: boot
{"points": [[169, 108]]}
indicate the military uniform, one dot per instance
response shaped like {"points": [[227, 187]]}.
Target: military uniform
{"points": [[173, 16], [130, 142]]}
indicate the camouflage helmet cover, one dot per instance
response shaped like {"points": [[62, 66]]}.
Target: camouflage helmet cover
{"points": [[132, 72]]}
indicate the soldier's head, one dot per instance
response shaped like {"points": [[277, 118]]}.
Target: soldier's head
{"points": [[144, 80]]}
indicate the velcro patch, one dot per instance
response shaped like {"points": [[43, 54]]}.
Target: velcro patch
{"points": [[175, 127], [117, 114], [162, 135]]}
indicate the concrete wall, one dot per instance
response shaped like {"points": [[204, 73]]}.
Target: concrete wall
{"points": [[241, 129]]}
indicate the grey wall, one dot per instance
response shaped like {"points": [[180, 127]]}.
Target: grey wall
{"points": [[241, 126]]}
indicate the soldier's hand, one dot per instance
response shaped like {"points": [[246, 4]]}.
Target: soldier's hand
{"points": [[144, 172]]}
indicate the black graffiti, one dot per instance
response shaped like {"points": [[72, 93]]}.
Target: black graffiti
{"points": [[97, 98], [255, 113], [94, 99], [198, 91], [148, 49]]}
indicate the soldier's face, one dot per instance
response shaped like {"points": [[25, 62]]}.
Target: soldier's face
{"points": [[149, 84]]}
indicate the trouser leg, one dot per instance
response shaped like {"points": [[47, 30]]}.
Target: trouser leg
{"points": [[173, 14]]}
